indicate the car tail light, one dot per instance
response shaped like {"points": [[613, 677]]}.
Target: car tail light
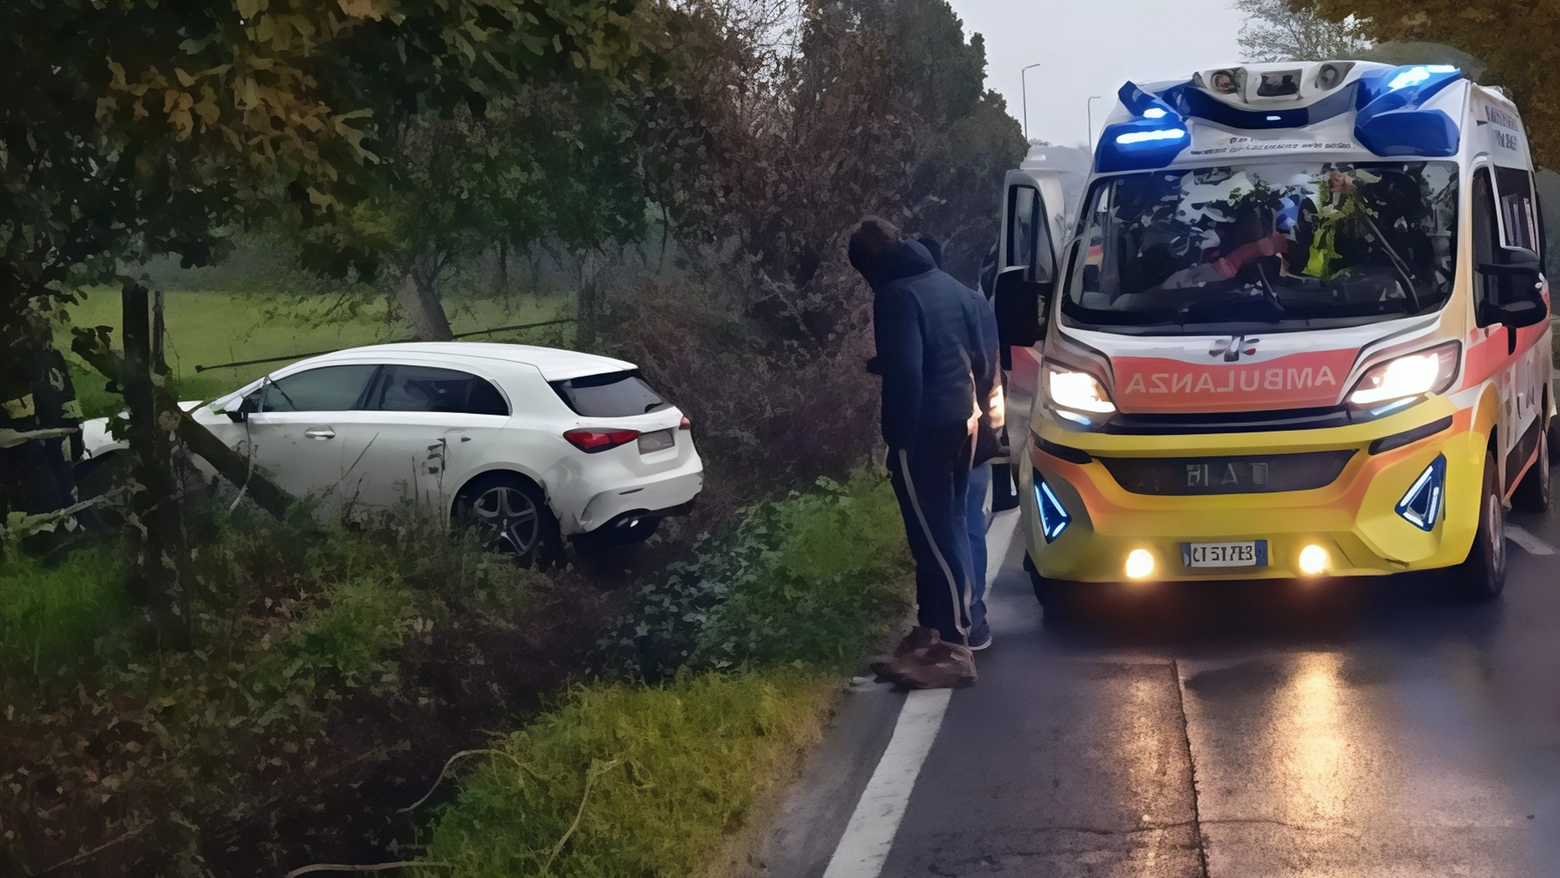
{"points": [[592, 441], [685, 424]]}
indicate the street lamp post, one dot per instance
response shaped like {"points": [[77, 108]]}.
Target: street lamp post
{"points": [[1024, 80], [1091, 118]]}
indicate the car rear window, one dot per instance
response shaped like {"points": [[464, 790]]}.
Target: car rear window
{"points": [[612, 395]]}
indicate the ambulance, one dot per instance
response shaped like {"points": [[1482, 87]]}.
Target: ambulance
{"points": [[1300, 329]]}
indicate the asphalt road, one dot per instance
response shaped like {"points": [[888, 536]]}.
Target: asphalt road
{"points": [[1366, 728]]}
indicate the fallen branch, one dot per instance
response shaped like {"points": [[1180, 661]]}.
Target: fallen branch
{"points": [[86, 855], [375, 867], [444, 771], [12, 438], [594, 772], [21, 526], [230, 464]]}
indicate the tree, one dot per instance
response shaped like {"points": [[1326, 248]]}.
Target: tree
{"points": [[782, 122], [1278, 30], [135, 129], [547, 162], [1515, 37]]}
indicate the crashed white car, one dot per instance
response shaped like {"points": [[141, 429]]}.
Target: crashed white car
{"points": [[529, 443]]}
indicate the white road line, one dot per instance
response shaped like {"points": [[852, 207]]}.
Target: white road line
{"points": [[998, 537], [870, 834], [1533, 545]]}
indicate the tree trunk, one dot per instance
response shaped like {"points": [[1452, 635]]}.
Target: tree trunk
{"points": [[503, 268], [159, 334], [201, 442], [422, 306], [164, 562], [587, 303]]}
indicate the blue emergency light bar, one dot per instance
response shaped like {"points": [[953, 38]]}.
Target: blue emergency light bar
{"points": [[1391, 120]]}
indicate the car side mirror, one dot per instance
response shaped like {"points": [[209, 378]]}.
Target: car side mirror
{"points": [[1019, 304], [246, 407]]}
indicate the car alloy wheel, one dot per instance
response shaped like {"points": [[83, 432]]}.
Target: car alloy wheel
{"points": [[508, 520]]}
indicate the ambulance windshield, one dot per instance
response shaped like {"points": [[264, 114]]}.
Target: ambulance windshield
{"points": [[1270, 246]]}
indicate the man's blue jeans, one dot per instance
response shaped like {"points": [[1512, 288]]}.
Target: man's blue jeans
{"points": [[975, 523]]}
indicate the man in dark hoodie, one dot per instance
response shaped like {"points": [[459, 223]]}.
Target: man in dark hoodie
{"points": [[988, 446], [931, 353]]}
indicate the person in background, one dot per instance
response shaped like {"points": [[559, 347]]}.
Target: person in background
{"points": [[931, 352], [988, 445]]}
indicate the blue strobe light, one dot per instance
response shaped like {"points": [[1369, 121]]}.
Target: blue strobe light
{"points": [[1053, 515], [1421, 506]]}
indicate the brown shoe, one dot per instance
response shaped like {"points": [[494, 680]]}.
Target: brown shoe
{"points": [[923, 660]]}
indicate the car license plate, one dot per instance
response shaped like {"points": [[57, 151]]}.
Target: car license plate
{"points": [[1250, 553], [660, 440]]}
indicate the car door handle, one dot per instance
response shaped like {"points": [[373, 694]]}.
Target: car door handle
{"points": [[320, 433]]}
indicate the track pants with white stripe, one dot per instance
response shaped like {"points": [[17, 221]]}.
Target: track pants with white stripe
{"points": [[931, 481]]}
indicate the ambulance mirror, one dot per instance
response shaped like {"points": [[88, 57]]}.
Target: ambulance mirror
{"points": [[1520, 301], [1519, 278]]}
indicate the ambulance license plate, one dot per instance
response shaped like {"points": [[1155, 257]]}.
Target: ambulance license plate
{"points": [[1250, 553]]}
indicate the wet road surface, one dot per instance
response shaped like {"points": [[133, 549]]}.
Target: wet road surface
{"points": [[1365, 728]]}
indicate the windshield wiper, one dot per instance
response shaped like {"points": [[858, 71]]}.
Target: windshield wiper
{"points": [[1397, 262]]}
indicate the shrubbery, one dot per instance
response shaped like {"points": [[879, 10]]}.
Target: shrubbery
{"points": [[746, 645], [315, 658], [812, 580]]}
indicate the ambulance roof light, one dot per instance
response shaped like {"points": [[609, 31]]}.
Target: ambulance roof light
{"points": [[1418, 75]]}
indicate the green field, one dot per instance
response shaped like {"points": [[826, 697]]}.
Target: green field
{"points": [[212, 328]]}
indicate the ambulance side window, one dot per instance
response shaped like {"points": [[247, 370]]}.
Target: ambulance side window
{"points": [[1518, 209], [1486, 234], [1029, 240]]}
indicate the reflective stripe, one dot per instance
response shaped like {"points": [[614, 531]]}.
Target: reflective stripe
{"points": [[961, 607]]}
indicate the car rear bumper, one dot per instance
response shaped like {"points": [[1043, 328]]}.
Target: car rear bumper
{"points": [[651, 497], [1355, 518]]}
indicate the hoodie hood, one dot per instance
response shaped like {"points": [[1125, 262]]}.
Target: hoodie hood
{"points": [[904, 259]]}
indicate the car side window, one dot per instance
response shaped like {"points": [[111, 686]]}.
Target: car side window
{"points": [[326, 389], [429, 389], [1486, 233], [1518, 209]]}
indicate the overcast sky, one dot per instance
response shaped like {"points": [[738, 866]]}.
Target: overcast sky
{"points": [[1091, 47]]}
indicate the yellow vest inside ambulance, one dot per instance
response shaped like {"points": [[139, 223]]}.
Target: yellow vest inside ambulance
{"points": [[1301, 330]]}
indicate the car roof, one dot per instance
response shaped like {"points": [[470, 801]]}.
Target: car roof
{"points": [[555, 364]]}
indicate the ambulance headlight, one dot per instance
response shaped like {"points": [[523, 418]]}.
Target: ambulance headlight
{"points": [[1078, 391], [1408, 376]]}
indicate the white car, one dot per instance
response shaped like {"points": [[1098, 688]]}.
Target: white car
{"points": [[530, 443]]}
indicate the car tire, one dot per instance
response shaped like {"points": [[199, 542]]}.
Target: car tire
{"points": [[1054, 595], [1482, 576], [1532, 494], [511, 516]]}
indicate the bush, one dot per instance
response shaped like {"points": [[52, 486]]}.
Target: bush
{"points": [[747, 642], [813, 579], [773, 403], [629, 781], [317, 655]]}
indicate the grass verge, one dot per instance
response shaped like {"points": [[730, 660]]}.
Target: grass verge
{"points": [[747, 645], [629, 780]]}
